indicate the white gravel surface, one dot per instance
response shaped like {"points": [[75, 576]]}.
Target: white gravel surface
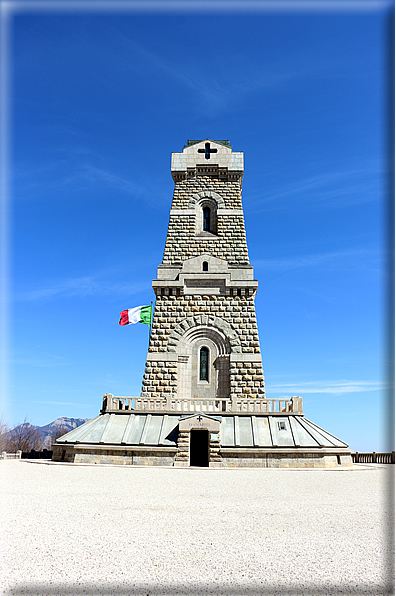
{"points": [[71, 530]]}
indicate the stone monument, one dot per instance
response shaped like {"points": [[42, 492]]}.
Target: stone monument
{"points": [[204, 343], [203, 399]]}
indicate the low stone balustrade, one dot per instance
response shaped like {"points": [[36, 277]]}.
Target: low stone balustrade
{"points": [[292, 405], [113, 404]]}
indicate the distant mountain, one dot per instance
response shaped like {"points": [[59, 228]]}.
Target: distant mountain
{"points": [[25, 434], [52, 430]]}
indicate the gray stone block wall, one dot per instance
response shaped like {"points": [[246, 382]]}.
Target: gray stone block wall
{"points": [[107, 455], [246, 377], [182, 242], [285, 460], [173, 311]]}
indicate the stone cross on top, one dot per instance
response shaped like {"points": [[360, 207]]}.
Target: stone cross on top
{"points": [[207, 150], [219, 153]]}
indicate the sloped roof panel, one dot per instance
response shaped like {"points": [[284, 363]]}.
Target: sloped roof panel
{"points": [[262, 432], [227, 431], [95, 432], [73, 434], [322, 439], [79, 433], [168, 435], [236, 431], [285, 437], [137, 431], [301, 436], [153, 431], [337, 442], [116, 429], [130, 428], [245, 431]]}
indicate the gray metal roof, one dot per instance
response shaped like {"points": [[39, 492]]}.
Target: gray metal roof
{"points": [[236, 431]]}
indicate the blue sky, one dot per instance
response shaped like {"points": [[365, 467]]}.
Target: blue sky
{"points": [[98, 100]]}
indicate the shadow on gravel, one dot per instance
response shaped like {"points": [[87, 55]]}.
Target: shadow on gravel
{"points": [[199, 590]]}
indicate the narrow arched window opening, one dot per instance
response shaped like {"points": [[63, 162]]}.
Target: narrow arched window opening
{"points": [[206, 219], [205, 266], [203, 364]]}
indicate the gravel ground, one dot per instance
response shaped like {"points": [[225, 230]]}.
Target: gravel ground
{"points": [[129, 531]]}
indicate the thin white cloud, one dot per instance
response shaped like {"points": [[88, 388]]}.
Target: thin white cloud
{"points": [[65, 173], [39, 360], [79, 287], [213, 89], [99, 175], [343, 259], [61, 403], [331, 189], [327, 387]]}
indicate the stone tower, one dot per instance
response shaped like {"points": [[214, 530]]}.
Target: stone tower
{"points": [[204, 343]]}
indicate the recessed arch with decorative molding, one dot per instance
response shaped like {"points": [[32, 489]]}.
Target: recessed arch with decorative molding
{"points": [[194, 334], [188, 330], [206, 194]]}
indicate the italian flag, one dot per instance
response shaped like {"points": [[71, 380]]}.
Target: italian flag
{"points": [[139, 314]]}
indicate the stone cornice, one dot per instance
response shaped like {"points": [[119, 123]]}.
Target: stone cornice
{"points": [[212, 171]]}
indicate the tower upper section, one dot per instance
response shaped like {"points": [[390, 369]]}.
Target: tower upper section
{"points": [[207, 158], [206, 217]]}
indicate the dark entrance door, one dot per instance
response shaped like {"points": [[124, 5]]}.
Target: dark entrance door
{"points": [[199, 448]]}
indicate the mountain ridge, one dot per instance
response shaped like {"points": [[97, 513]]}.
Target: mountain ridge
{"points": [[49, 431]]}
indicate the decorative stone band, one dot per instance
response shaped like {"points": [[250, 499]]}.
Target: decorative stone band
{"points": [[205, 322], [212, 171], [189, 284], [225, 211], [173, 357]]}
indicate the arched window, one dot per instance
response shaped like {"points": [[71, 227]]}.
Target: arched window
{"points": [[205, 266], [206, 219], [204, 364]]}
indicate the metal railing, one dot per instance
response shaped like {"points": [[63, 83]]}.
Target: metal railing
{"points": [[373, 458]]}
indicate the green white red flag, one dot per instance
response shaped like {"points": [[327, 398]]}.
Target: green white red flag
{"points": [[139, 314]]}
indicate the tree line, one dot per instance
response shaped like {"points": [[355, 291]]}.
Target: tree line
{"points": [[26, 438]]}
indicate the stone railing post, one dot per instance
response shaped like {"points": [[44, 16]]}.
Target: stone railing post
{"points": [[107, 402], [296, 403]]}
